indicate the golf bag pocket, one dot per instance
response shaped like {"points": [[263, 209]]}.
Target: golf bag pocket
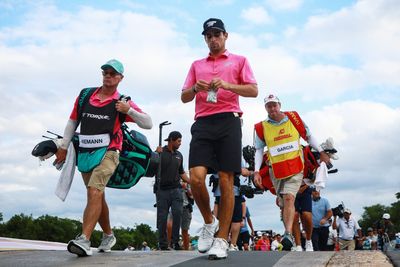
{"points": [[88, 160]]}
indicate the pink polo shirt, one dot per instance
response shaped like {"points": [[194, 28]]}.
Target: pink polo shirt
{"points": [[95, 101], [230, 68]]}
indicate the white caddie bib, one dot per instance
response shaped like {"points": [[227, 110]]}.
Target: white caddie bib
{"points": [[284, 148], [94, 141]]}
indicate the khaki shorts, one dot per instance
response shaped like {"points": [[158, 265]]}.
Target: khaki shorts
{"points": [[98, 178], [347, 244], [289, 185]]}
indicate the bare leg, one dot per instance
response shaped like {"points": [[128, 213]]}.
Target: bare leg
{"points": [[104, 219], [200, 193], [306, 220], [226, 204], [235, 229], [185, 239], [296, 229], [92, 211], [288, 211]]}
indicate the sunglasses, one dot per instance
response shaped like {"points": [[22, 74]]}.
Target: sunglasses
{"points": [[209, 35], [111, 73]]}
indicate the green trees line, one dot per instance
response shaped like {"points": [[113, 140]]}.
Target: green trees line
{"points": [[50, 228]]}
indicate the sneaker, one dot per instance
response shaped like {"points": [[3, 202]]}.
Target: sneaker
{"points": [[107, 242], [206, 237], [297, 248], [309, 246], [176, 247], [219, 249], [80, 246], [233, 248], [287, 242]]}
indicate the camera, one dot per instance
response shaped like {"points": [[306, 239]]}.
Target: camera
{"points": [[338, 211], [250, 189]]}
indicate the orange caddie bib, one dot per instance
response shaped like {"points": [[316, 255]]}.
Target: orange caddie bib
{"points": [[284, 149]]}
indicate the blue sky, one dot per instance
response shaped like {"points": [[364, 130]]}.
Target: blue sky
{"points": [[336, 62]]}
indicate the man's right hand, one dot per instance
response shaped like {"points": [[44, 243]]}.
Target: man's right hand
{"points": [[258, 180], [61, 154]]}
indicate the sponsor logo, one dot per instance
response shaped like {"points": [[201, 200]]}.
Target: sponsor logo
{"points": [[281, 131], [282, 137], [96, 116]]}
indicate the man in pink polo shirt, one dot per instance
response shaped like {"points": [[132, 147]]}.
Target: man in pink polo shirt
{"points": [[100, 141], [216, 82]]}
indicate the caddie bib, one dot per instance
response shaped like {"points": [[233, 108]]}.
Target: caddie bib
{"points": [[284, 149]]}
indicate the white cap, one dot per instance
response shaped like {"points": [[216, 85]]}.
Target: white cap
{"points": [[259, 233], [271, 98], [346, 210], [386, 216]]}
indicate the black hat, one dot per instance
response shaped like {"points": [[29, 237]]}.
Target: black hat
{"points": [[213, 23], [173, 136]]}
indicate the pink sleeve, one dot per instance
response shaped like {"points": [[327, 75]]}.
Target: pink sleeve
{"points": [[190, 78], [74, 112], [246, 73]]}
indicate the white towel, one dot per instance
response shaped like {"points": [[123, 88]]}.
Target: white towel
{"points": [[321, 176], [67, 174]]}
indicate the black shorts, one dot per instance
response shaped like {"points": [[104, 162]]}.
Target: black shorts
{"points": [[303, 201], [237, 208], [244, 237], [217, 143]]}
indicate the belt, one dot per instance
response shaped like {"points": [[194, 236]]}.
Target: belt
{"points": [[221, 115], [346, 239]]}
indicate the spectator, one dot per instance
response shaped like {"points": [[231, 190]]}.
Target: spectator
{"points": [[303, 208], [238, 210], [332, 238], [386, 231], [129, 248], [321, 213], [216, 82], [245, 235], [169, 190], [370, 242], [186, 214], [348, 228], [276, 244], [263, 243], [145, 247]]}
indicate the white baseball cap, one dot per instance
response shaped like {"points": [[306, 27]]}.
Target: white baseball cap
{"points": [[386, 216], [271, 98], [347, 210]]}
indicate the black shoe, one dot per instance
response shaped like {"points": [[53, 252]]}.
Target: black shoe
{"points": [[287, 242], [176, 247], [164, 248]]}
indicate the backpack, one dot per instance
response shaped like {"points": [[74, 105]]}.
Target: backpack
{"points": [[135, 156]]}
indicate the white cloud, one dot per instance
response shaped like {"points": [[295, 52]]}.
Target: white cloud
{"points": [[256, 15], [284, 5]]}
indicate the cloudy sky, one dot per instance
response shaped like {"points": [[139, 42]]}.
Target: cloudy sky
{"points": [[336, 62]]}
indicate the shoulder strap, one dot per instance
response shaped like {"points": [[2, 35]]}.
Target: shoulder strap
{"points": [[259, 130], [84, 96], [297, 122]]}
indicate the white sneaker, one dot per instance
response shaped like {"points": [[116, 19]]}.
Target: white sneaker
{"points": [[80, 246], [309, 246], [107, 242], [297, 248], [206, 237], [219, 249], [233, 248]]}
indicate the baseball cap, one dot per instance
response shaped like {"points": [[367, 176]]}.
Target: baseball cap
{"points": [[386, 216], [346, 210], [271, 98], [259, 233], [213, 23], [370, 229], [173, 136], [115, 64]]}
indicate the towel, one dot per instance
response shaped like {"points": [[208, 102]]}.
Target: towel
{"points": [[67, 174]]}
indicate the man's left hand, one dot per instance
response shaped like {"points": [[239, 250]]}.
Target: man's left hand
{"points": [[122, 106]]}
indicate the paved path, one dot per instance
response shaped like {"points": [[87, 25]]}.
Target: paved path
{"points": [[16, 252]]}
